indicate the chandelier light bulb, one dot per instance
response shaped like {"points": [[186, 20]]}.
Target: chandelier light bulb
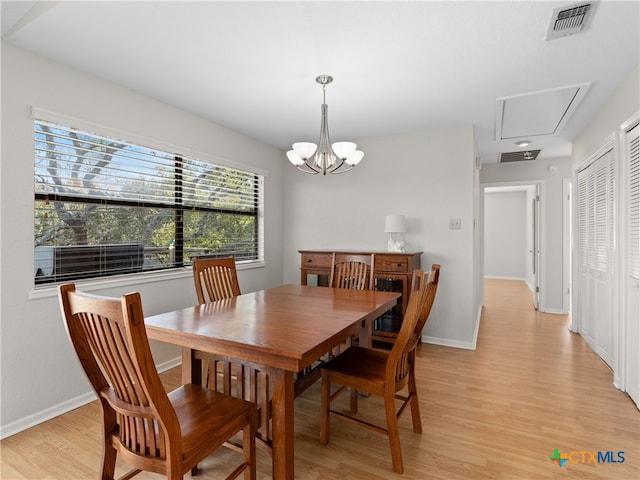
{"points": [[355, 157], [294, 158], [304, 149], [344, 149]]}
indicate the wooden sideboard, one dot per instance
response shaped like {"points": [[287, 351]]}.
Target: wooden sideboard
{"points": [[391, 271]]}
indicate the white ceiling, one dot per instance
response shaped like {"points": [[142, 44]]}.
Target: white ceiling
{"points": [[398, 66]]}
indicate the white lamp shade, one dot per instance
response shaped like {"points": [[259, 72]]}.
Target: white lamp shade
{"points": [[294, 158], [304, 149], [355, 158], [395, 224], [344, 149]]}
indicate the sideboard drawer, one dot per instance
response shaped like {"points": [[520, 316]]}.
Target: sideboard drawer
{"points": [[317, 260], [391, 263]]}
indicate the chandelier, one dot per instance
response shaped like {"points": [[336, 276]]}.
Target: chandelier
{"points": [[324, 157]]}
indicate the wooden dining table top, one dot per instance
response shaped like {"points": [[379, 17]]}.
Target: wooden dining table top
{"points": [[286, 327]]}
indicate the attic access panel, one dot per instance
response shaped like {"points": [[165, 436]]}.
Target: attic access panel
{"points": [[538, 113]]}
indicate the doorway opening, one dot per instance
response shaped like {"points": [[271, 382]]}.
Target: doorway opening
{"points": [[513, 237]]}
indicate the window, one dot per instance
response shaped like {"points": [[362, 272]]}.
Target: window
{"points": [[106, 207]]}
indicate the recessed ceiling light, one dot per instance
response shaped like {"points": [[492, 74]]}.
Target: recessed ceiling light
{"points": [[523, 143]]}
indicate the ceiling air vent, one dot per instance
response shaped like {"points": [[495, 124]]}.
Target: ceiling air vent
{"points": [[570, 19], [509, 157]]}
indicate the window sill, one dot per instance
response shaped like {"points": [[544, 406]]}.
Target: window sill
{"points": [[129, 280]]}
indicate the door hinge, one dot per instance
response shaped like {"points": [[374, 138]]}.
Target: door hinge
{"points": [[537, 289]]}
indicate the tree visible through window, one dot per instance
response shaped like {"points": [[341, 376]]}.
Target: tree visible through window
{"points": [[106, 206]]}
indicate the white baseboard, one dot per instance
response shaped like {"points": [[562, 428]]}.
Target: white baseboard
{"points": [[635, 396], [530, 285], [555, 311], [46, 414], [169, 364], [64, 407], [498, 277], [475, 330], [447, 342]]}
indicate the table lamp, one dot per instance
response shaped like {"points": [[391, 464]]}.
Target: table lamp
{"points": [[395, 224]]}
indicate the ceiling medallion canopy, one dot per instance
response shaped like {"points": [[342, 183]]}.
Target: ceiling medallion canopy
{"points": [[324, 158]]}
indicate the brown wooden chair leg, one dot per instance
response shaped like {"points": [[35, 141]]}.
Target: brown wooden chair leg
{"points": [[109, 424], [324, 409], [394, 436], [249, 449], [353, 400], [415, 404], [108, 468]]}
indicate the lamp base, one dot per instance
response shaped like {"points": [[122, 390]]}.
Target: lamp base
{"points": [[396, 246]]}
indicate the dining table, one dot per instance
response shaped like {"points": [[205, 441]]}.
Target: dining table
{"points": [[281, 331]]}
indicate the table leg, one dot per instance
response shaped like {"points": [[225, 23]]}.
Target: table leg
{"points": [[366, 329], [191, 371], [282, 420]]}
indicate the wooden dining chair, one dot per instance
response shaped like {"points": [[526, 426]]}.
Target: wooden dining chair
{"points": [[216, 279], [379, 373], [352, 271], [151, 430]]}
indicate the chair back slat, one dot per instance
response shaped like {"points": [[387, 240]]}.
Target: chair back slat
{"points": [[110, 347], [215, 278], [104, 332], [353, 271]]}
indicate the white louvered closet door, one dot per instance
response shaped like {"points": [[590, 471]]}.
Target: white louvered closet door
{"points": [[596, 253], [633, 265]]}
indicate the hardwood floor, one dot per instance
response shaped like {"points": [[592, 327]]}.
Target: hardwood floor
{"points": [[494, 413]]}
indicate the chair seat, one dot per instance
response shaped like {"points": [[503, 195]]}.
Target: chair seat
{"points": [[206, 415], [363, 368]]}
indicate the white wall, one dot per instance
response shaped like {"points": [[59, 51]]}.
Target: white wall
{"points": [[39, 369], [505, 229], [426, 176], [529, 173], [622, 104]]}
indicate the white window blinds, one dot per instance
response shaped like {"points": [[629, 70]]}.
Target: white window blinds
{"points": [[106, 206]]}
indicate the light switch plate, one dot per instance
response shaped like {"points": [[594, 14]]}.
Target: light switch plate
{"points": [[455, 223]]}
